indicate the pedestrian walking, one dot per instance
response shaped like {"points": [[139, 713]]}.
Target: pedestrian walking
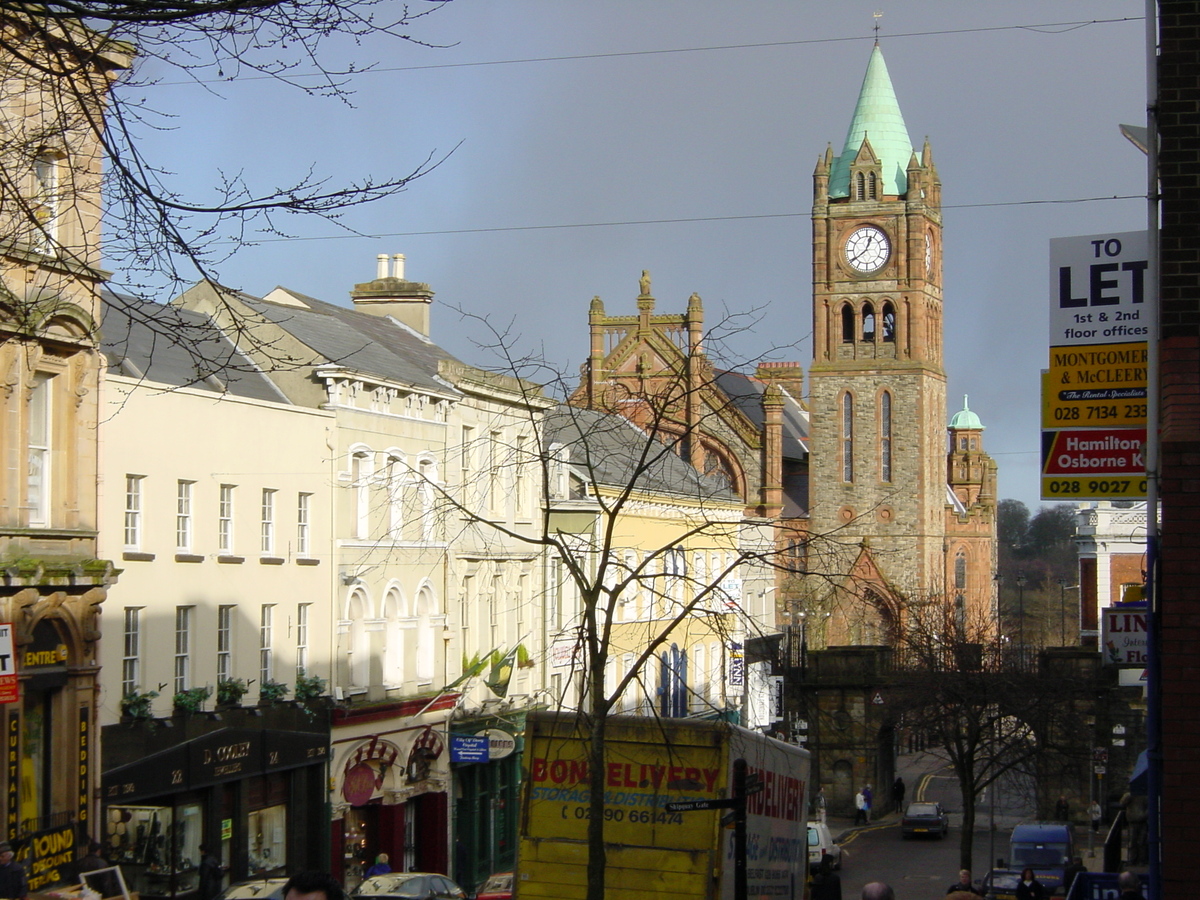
{"points": [[1096, 814], [1062, 812], [1029, 888], [819, 805], [13, 883], [381, 867], [964, 885], [869, 795], [105, 885], [1071, 872], [826, 884], [211, 873], [860, 809], [898, 792]]}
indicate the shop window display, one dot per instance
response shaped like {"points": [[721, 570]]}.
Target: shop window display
{"points": [[268, 840], [157, 847]]}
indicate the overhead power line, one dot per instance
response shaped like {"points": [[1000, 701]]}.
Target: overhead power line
{"points": [[1044, 27], [674, 221]]}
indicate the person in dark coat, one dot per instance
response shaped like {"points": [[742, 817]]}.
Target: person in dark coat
{"points": [[1029, 888], [826, 884], [13, 883], [1131, 887], [898, 792], [964, 885], [1062, 812], [211, 873], [1071, 872], [105, 885]]}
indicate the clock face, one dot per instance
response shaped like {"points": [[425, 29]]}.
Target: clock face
{"points": [[867, 249], [928, 251]]}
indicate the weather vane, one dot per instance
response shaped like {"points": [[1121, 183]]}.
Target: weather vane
{"points": [[878, 14]]}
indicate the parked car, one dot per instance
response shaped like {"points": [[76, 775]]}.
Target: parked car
{"points": [[820, 842], [410, 886], [255, 889], [924, 818], [1000, 884], [498, 887]]}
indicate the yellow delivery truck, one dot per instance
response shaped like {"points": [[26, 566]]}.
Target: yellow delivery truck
{"points": [[670, 807]]}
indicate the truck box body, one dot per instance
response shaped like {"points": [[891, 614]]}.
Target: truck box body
{"points": [[650, 762]]}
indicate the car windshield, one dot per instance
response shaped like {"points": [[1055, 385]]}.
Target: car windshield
{"points": [[922, 809], [393, 886], [497, 883], [1033, 855]]}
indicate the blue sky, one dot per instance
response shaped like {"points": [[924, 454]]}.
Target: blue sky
{"points": [[1015, 115]]}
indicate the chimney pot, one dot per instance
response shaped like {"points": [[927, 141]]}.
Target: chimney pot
{"points": [[398, 266], [381, 265]]}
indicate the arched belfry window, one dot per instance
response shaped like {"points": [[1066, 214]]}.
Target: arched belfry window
{"points": [[885, 436], [889, 323], [872, 186], [868, 320], [847, 324], [860, 188], [960, 570], [847, 437]]}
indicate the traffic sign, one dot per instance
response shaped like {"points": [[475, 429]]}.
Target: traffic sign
{"points": [[877, 699]]}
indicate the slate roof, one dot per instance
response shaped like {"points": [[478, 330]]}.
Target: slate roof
{"points": [[606, 448], [745, 392], [877, 117], [360, 341], [176, 347]]}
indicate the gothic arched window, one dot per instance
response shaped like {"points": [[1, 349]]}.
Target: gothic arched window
{"points": [[847, 437], [868, 320], [860, 190], [885, 436], [847, 324], [872, 187], [889, 323]]}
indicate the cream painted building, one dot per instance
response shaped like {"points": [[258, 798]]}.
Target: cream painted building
{"points": [[680, 558], [215, 498], [435, 511]]}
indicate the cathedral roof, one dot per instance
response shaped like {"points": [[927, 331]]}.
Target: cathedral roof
{"points": [[964, 418], [876, 117]]}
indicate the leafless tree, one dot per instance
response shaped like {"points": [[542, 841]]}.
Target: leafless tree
{"points": [[987, 707], [77, 104]]}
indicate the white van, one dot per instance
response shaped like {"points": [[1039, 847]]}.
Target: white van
{"points": [[820, 841]]}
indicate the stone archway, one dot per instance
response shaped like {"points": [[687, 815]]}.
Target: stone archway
{"points": [[842, 793]]}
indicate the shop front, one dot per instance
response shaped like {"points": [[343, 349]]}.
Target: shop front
{"points": [[47, 694], [250, 784], [391, 776], [486, 764]]}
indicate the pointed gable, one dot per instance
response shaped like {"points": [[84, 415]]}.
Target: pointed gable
{"points": [[877, 115]]}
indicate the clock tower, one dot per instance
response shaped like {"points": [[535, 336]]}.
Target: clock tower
{"points": [[877, 388]]}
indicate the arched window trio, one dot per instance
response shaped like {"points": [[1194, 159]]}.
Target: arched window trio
{"points": [[886, 333], [846, 442]]}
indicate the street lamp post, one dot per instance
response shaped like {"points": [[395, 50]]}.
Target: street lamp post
{"points": [[1021, 617]]}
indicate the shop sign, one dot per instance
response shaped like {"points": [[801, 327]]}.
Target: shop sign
{"points": [[737, 665], [1124, 635], [290, 749], [161, 773], [48, 857], [11, 765], [226, 754], [500, 743], [359, 783], [84, 800], [9, 689], [469, 748], [227, 829]]}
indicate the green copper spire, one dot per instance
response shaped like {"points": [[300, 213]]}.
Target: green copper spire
{"points": [[877, 118]]}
